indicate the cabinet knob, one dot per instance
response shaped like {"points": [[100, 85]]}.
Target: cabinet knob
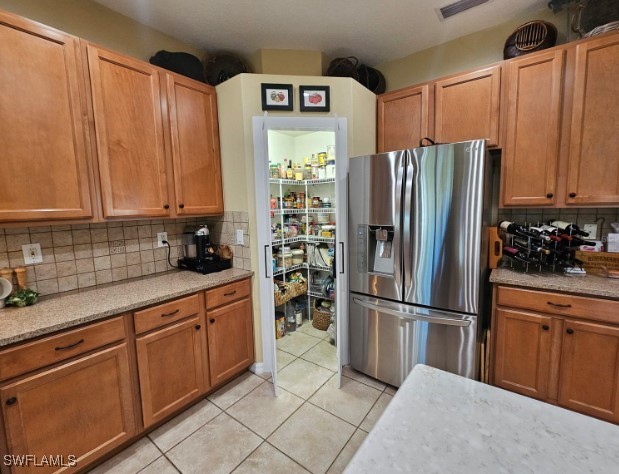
{"points": [[569, 331], [11, 401], [198, 327], [182, 206], [572, 195], [549, 195], [212, 320], [545, 327], [166, 206]]}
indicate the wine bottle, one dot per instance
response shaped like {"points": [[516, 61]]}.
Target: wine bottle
{"points": [[518, 255], [522, 245], [519, 230], [574, 241], [569, 228]]}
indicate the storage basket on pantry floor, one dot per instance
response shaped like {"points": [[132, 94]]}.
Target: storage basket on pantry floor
{"points": [[321, 318]]}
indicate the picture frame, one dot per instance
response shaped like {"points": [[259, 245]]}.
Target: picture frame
{"points": [[314, 98], [277, 97]]}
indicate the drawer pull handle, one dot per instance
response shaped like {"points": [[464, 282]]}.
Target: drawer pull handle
{"points": [[212, 320], [230, 294], [545, 327], [167, 315], [569, 331], [70, 346], [558, 305], [198, 327], [11, 401]]}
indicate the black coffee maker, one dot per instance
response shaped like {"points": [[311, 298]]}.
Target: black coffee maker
{"points": [[200, 255]]}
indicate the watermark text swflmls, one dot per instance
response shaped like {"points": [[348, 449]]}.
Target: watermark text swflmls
{"points": [[25, 460]]}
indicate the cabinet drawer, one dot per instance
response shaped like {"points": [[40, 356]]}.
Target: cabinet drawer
{"points": [[166, 313], [34, 355], [557, 303], [228, 293]]}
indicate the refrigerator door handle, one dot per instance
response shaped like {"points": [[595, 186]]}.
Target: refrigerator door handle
{"points": [[438, 318], [341, 258], [266, 266]]}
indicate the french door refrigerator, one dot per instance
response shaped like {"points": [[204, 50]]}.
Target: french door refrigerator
{"points": [[417, 261]]}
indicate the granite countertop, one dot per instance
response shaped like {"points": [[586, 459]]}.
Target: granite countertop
{"points": [[586, 285], [60, 312], [439, 422]]}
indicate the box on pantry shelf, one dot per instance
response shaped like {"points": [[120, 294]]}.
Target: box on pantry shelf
{"points": [[612, 245]]}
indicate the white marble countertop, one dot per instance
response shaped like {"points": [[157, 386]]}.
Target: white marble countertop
{"points": [[442, 423], [60, 312]]}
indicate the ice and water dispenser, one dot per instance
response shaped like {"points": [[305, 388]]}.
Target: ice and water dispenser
{"points": [[375, 252]]}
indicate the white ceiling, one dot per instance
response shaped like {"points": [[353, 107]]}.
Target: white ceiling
{"points": [[375, 31]]}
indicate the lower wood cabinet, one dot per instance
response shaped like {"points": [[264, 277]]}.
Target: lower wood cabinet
{"points": [[230, 339], [83, 408], [170, 365], [570, 362]]}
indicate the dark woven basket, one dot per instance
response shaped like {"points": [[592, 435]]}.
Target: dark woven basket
{"points": [[371, 79], [223, 67], [343, 67], [532, 36]]}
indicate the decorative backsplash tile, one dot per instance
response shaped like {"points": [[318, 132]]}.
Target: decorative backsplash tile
{"points": [[85, 255]]}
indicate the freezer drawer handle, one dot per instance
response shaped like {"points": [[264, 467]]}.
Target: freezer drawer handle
{"points": [[416, 317]]}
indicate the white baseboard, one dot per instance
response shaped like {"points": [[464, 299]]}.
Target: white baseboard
{"points": [[257, 368]]}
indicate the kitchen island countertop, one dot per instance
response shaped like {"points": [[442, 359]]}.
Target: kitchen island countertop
{"points": [[440, 422], [590, 285], [65, 311]]}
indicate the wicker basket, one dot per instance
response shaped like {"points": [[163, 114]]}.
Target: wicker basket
{"points": [[286, 291], [321, 319]]}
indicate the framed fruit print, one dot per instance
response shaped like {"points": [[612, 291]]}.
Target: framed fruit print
{"points": [[276, 96], [314, 98]]}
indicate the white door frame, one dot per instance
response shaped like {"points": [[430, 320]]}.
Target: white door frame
{"points": [[261, 126]]}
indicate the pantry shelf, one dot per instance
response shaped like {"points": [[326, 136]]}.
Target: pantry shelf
{"points": [[311, 210], [303, 238], [302, 182]]}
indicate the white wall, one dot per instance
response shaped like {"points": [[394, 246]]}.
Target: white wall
{"points": [[238, 101]]}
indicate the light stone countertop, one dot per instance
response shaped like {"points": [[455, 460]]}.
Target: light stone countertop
{"points": [[443, 423], [61, 312], [591, 285]]}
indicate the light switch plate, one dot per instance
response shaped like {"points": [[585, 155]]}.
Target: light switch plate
{"points": [[592, 229], [239, 237], [161, 236], [32, 253]]}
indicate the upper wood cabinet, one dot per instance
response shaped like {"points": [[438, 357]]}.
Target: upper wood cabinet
{"points": [[192, 114], [466, 107], [45, 171], [593, 169], [532, 129], [128, 118], [403, 118]]}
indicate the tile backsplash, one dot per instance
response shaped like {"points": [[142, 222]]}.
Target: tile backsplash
{"points": [[86, 255], [580, 216]]}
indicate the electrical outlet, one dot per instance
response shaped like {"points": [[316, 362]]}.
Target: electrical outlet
{"points": [[32, 253], [239, 237], [592, 229], [161, 236]]}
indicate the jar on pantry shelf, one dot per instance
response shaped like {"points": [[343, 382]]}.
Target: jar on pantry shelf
{"points": [[273, 202], [316, 202], [331, 154], [322, 172], [322, 159], [326, 202], [330, 171], [297, 256], [284, 257]]}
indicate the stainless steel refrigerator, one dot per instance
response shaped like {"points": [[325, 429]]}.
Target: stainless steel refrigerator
{"points": [[417, 257]]}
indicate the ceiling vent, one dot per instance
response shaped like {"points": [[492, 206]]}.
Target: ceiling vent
{"points": [[458, 7]]}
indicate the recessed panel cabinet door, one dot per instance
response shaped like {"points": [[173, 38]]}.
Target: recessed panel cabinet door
{"points": [[593, 171], [402, 119], [129, 127], [230, 339], [533, 111], [192, 109], [589, 379], [522, 355], [83, 408], [44, 171], [467, 107]]}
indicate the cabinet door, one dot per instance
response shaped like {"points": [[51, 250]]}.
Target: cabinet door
{"points": [[522, 357], [593, 171], [165, 388], [42, 130], [230, 340], [83, 408], [589, 377], [533, 114], [192, 109], [402, 119], [467, 107], [130, 145]]}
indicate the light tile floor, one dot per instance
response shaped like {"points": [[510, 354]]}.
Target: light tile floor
{"points": [[312, 426]]}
